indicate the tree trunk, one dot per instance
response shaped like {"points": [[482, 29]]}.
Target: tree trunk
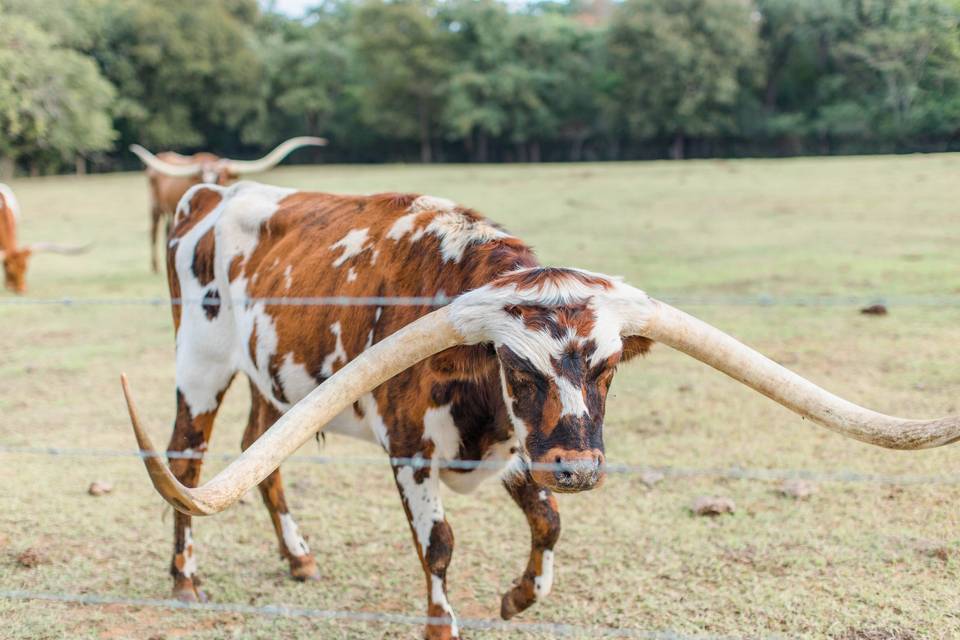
{"points": [[535, 151], [521, 152], [676, 149], [482, 147], [426, 153], [34, 169], [7, 167], [80, 163]]}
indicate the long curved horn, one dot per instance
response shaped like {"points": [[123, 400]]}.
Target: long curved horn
{"points": [[420, 339], [696, 338], [174, 170], [63, 249], [273, 158]]}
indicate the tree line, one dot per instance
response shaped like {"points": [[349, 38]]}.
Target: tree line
{"points": [[476, 80]]}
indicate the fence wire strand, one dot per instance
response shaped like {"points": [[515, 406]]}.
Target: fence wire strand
{"points": [[645, 471], [553, 629], [692, 300]]}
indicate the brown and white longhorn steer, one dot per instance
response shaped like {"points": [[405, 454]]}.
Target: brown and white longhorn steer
{"points": [[171, 174], [15, 257], [514, 372]]}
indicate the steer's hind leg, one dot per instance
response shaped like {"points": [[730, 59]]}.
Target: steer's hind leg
{"points": [[156, 215], [540, 508], [433, 538], [188, 444], [292, 545]]}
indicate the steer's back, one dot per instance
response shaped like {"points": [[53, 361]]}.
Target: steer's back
{"points": [[9, 216], [244, 247]]}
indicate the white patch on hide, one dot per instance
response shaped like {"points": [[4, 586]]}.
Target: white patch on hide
{"points": [[455, 230], [437, 596], [439, 427], [339, 353], [295, 379], [292, 539], [288, 276], [11, 201], [189, 554], [544, 582], [423, 500], [351, 275], [353, 244]]}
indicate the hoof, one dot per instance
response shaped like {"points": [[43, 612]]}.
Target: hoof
{"points": [[186, 591], [515, 601], [304, 569]]}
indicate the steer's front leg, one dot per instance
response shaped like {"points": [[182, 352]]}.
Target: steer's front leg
{"points": [[433, 537], [540, 508]]}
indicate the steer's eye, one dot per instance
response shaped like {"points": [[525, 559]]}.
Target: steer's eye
{"points": [[605, 377]]}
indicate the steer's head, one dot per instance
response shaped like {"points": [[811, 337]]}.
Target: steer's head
{"points": [[15, 268], [217, 172], [557, 336]]}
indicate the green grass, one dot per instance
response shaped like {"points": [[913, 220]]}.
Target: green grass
{"points": [[855, 560]]}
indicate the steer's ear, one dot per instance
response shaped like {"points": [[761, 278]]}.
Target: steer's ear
{"points": [[468, 362], [634, 346]]}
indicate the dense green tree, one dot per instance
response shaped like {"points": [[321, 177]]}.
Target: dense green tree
{"points": [[188, 72], [306, 88], [680, 66], [401, 69], [479, 79], [54, 103]]}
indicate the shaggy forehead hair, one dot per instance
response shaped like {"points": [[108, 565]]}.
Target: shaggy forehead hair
{"points": [[496, 312]]}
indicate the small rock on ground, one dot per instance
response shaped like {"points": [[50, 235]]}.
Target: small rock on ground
{"points": [[712, 506], [797, 489], [99, 488]]}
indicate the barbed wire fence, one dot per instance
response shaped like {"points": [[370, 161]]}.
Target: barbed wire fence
{"points": [[693, 300], [646, 472]]}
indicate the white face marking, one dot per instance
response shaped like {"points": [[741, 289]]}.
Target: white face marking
{"points": [[353, 244], [339, 353], [423, 500], [189, 556], [571, 397], [288, 276], [437, 596], [519, 426], [542, 495], [544, 582], [480, 316], [292, 539]]}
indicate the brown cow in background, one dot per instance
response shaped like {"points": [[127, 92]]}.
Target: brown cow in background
{"points": [[15, 258], [171, 174]]}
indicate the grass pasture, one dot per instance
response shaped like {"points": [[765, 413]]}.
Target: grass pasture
{"points": [[858, 561]]}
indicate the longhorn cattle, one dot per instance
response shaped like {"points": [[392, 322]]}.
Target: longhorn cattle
{"points": [[171, 174], [514, 373], [15, 257]]}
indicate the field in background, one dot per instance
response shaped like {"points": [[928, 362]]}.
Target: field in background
{"points": [[857, 561]]}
